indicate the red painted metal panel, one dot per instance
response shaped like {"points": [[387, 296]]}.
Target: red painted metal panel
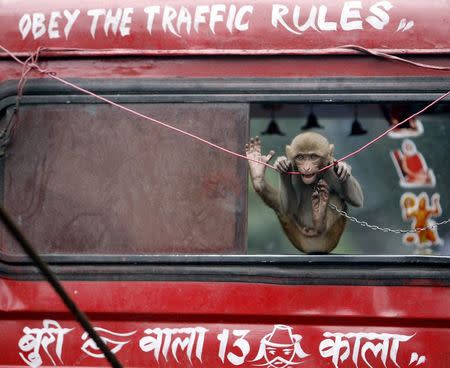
{"points": [[212, 27], [229, 324], [253, 67], [414, 319]]}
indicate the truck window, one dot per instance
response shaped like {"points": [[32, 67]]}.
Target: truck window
{"points": [[380, 169], [89, 179]]}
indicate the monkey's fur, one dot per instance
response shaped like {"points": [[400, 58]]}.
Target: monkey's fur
{"points": [[301, 202]]}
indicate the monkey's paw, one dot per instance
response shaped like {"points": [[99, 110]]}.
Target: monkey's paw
{"points": [[343, 171], [257, 160], [282, 164]]}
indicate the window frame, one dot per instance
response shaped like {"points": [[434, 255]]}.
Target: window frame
{"points": [[289, 269]]}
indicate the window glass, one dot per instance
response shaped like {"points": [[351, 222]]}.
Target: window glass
{"points": [[404, 176], [92, 179]]}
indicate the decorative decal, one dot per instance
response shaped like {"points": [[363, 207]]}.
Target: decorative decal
{"points": [[418, 360], [411, 167], [168, 339], [339, 347], [227, 27], [412, 128], [36, 338], [405, 25], [91, 349], [197, 346], [240, 344], [419, 210], [280, 349], [396, 113], [183, 22]]}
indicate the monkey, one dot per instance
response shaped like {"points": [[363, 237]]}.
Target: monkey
{"points": [[301, 202]]}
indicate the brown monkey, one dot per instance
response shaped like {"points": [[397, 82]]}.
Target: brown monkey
{"points": [[301, 201]]}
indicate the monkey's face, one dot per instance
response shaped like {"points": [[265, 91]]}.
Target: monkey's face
{"points": [[308, 164], [309, 152]]}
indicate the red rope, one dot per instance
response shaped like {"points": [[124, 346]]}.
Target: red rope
{"points": [[376, 139], [31, 63]]}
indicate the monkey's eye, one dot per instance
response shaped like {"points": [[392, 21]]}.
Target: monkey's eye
{"points": [[314, 156], [300, 157]]}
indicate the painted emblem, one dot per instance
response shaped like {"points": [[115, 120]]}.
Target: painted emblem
{"points": [[395, 114], [114, 340], [419, 210], [411, 167], [280, 348], [183, 346]]}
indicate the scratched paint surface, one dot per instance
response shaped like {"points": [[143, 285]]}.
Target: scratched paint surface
{"points": [[218, 27], [171, 324], [55, 343]]}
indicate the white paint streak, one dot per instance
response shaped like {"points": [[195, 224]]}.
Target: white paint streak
{"points": [[380, 17], [351, 11], [95, 14], [53, 24], [339, 346], [71, 18], [168, 339], [35, 340], [151, 13]]}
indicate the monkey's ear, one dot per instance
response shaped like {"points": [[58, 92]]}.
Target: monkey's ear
{"points": [[331, 148], [289, 152]]}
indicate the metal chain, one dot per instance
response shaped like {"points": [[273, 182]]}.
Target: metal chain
{"points": [[385, 229]]}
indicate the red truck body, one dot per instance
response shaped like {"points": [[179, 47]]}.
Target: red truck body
{"points": [[185, 309]]}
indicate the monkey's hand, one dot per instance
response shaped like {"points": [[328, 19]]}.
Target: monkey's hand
{"points": [[343, 171], [283, 165], [256, 159]]}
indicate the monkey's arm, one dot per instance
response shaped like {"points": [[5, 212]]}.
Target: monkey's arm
{"points": [[267, 192], [343, 182], [287, 195], [256, 162], [352, 192]]}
